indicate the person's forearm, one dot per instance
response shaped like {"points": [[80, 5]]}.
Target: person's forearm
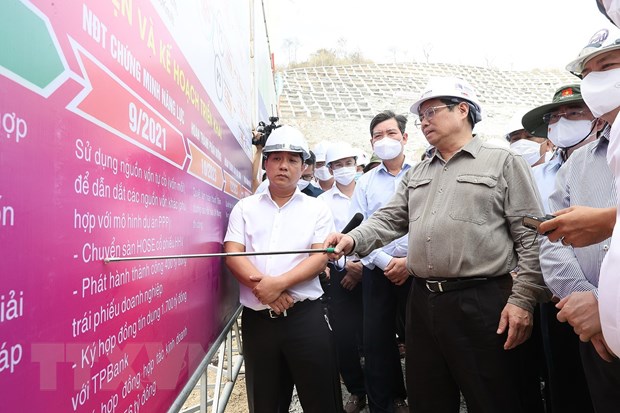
{"points": [[305, 270], [242, 269], [256, 166]]}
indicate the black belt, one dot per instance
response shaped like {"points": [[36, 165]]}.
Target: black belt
{"points": [[445, 285], [296, 308]]}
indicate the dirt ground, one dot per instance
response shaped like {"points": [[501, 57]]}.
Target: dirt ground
{"points": [[238, 401]]}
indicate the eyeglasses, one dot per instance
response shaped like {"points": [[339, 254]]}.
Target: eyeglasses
{"points": [[528, 238], [307, 177], [575, 114], [429, 113]]}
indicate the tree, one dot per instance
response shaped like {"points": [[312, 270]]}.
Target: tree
{"points": [[291, 44], [427, 49], [323, 57]]}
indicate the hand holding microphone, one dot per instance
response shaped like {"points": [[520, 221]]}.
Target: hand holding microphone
{"points": [[343, 243]]}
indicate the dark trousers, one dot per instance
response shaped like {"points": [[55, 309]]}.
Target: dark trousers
{"points": [[567, 386], [452, 345], [603, 379], [346, 315], [532, 368], [382, 368], [298, 350]]}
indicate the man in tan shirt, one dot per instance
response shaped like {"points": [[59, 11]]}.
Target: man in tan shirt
{"points": [[463, 209]]}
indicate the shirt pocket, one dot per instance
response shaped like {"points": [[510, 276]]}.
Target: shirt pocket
{"points": [[418, 191], [472, 198]]}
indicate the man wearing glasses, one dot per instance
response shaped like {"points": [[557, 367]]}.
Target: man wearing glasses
{"points": [[569, 124], [463, 210]]}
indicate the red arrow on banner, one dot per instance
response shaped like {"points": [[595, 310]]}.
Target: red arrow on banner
{"points": [[108, 102]]}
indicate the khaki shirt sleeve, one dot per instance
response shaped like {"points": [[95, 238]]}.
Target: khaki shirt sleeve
{"points": [[522, 198]]}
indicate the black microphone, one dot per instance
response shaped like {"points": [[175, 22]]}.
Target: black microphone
{"points": [[354, 223]]}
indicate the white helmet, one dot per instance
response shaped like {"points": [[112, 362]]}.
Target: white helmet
{"points": [[362, 157], [602, 41], [339, 150], [320, 151], [449, 87], [287, 139], [515, 123]]}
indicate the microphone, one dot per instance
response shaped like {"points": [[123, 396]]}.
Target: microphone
{"points": [[354, 223]]}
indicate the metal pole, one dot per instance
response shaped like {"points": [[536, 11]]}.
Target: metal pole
{"points": [[217, 255]]}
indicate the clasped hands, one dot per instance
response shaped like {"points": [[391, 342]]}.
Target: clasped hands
{"points": [[268, 290]]}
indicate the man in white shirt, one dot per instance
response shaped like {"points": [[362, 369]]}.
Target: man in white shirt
{"points": [[385, 278], [321, 171], [286, 333], [345, 290]]}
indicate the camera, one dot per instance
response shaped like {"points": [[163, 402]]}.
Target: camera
{"points": [[265, 130]]}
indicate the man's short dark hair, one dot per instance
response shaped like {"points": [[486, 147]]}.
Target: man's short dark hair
{"points": [[457, 101], [386, 115], [311, 160]]}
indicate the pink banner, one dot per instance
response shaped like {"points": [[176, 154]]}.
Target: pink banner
{"points": [[109, 147]]}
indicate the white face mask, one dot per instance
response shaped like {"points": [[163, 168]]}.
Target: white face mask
{"points": [[345, 175], [302, 184], [529, 150], [322, 173], [612, 7], [601, 91], [566, 133], [388, 148]]}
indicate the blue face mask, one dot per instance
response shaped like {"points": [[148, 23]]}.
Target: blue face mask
{"points": [[357, 175]]}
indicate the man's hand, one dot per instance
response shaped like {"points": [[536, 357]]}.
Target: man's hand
{"points": [[580, 226], [396, 270], [268, 289], [354, 269], [580, 309], [348, 282], [328, 274], [598, 341], [343, 245], [519, 323], [282, 303]]}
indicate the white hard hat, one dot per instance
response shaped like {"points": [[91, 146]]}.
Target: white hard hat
{"points": [[320, 151], [515, 124], [362, 157], [287, 139], [449, 87], [339, 150], [602, 41]]}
